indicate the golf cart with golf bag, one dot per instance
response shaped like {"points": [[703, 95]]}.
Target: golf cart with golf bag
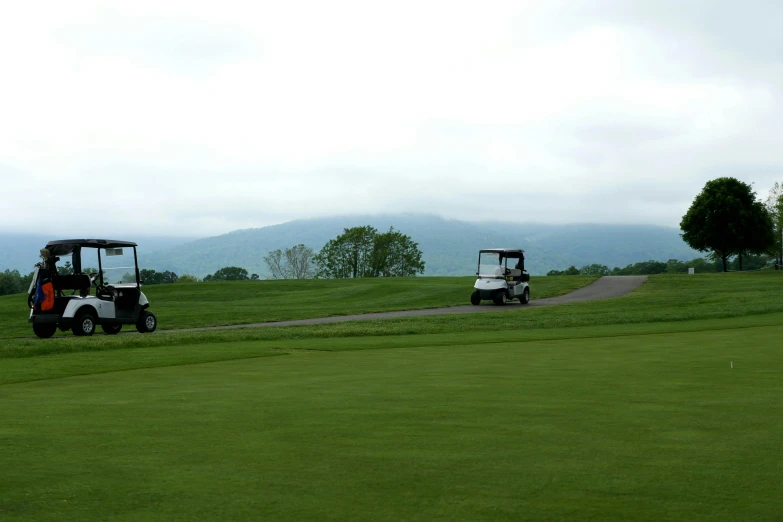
{"points": [[59, 297], [501, 277]]}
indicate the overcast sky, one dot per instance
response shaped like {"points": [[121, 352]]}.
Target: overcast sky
{"points": [[201, 117]]}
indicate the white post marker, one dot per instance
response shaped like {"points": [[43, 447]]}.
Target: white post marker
{"points": [[732, 364], [691, 271]]}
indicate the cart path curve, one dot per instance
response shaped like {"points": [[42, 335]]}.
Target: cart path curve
{"points": [[607, 287]]}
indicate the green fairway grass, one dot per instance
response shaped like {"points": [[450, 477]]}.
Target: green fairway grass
{"points": [[660, 405], [645, 421], [662, 298], [190, 305]]}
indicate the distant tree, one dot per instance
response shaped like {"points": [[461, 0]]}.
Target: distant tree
{"points": [[394, 255], [295, 263], [675, 266], [229, 273], [348, 255], [363, 252], [300, 262], [649, 268], [594, 269], [66, 269], [751, 262], [622, 271], [187, 278], [726, 219], [276, 265], [11, 282], [702, 265], [758, 235], [774, 205], [127, 277], [151, 277], [254, 277], [571, 270]]}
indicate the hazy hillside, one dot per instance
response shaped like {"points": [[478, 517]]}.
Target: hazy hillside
{"points": [[20, 251], [450, 247]]}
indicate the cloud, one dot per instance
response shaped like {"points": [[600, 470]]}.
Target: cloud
{"points": [[199, 118]]}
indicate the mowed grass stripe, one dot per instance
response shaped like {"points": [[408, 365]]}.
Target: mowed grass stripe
{"points": [[653, 427], [660, 299], [80, 362]]}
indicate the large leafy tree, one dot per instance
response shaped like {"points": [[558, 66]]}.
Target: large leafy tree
{"points": [[726, 220], [363, 252], [348, 255], [395, 254]]}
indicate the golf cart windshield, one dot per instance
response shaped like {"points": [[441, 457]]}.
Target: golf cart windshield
{"points": [[489, 265], [118, 266]]}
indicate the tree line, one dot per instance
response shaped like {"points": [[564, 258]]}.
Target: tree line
{"points": [[12, 282], [672, 266]]}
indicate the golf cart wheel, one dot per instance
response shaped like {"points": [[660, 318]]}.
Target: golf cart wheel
{"points": [[475, 298], [44, 330], [84, 324], [111, 329], [500, 297], [525, 299], [147, 322]]}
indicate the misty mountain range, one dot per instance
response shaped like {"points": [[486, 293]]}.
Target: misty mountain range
{"points": [[449, 247]]}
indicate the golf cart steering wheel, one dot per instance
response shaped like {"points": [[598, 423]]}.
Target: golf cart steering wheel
{"points": [[99, 288]]}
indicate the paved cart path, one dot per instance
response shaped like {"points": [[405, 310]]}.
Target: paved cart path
{"points": [[606, 287]]}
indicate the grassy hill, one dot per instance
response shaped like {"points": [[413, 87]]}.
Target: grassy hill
{"points": [[450, 247], [662, 405], [188, 305]]}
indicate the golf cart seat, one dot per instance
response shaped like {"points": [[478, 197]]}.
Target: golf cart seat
{"points": [[80, 282]]}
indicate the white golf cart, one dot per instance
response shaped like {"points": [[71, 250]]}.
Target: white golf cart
{"points": [[62, 300], [501, 277]]}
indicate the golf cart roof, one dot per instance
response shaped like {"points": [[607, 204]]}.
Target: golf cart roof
{"points": [[66, 246], [505, 252]]}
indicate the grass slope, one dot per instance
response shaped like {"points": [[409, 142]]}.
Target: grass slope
{"points": [[604, 427], [239, 302], [662, 298]]}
